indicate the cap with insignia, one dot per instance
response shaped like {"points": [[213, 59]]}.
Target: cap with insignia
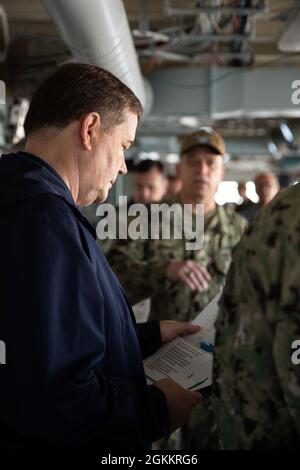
{"points": [[205, 136]]}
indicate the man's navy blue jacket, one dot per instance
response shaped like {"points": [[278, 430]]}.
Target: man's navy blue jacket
{"points": [[73, 375]]}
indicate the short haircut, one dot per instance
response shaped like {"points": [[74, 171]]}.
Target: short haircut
{"points": [[74, 90], [146, 165], [267, 174]]}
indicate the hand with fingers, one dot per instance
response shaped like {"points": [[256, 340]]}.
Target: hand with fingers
{"points": [[170, 329], [179, 401], [195, 276]]}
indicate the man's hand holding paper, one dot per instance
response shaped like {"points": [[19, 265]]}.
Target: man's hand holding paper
{"points": [[186, 359]]}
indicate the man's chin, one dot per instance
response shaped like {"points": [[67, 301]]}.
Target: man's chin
{"points": [[200, 194], [102, 196]]}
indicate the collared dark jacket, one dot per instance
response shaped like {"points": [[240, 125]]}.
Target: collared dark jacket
{"points": [[73, 375]]}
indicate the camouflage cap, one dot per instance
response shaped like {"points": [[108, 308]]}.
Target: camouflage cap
{"points": [[205, 136]]}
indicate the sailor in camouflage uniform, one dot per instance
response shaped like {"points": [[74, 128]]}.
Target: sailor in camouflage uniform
{"points": [[182, 282], [257, 386]]}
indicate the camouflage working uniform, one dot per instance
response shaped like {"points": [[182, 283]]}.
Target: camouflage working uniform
{"points": [[141, 267], [257, 387]]}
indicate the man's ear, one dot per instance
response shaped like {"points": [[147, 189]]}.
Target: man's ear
{"points": [[89, 129]]}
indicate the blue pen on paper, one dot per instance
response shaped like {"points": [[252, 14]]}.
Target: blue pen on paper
{"points": [[208, 347]]}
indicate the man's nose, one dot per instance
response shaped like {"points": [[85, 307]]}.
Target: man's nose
{"points": [[202, 168], [123, 169], [145, 194]]}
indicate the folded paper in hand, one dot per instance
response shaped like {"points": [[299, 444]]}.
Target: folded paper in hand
{"points": [[188, 360]]}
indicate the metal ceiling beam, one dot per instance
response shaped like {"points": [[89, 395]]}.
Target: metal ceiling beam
{"points": [[227, 10], [247, 56], [166, 55], [222, 38]]}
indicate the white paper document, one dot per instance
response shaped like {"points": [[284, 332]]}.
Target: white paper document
{"points": [[141, 310], [188, 360]]}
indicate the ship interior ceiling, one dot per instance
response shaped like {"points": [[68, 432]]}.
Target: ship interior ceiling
{"points": [[225, 64]]}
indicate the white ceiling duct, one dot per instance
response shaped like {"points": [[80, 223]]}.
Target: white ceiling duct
{"points": [[97, 32]]}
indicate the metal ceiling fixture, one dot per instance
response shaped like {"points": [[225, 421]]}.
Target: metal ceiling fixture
{"points": [[289, 39]]}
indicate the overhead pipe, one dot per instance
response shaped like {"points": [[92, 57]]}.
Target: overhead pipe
{"points": [[97, 32]]}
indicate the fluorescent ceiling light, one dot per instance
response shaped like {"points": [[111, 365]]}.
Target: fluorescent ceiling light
{"points": [[286, 132], [172, 158], [149, 156], [189, 121], [272, 147]]}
